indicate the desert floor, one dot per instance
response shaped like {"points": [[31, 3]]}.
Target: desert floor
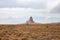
{"points": [[30, 32]]}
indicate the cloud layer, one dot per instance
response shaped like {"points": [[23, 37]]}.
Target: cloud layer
{"points": [[7, 3], [18, 11], [37, 4], [56, 9]]}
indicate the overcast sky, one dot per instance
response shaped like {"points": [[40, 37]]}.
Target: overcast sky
{"points": [[18, 11]]}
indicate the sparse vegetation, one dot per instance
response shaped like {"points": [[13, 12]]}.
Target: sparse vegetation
{"points": [[30, 32]]}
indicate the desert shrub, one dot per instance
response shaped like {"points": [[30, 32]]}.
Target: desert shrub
{"points": [[7, 39], [2, 34], [34, 37], [0, 39], [43, 37], [6, 31], [24, 38], [15, 39], [1, 28], [17, 34], [46, 26]]}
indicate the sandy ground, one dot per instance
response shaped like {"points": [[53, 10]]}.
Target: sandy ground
{"points": [[30, 32]]}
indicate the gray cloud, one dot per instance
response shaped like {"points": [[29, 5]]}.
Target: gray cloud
{"points": [[56, 9], [7, 3], [36, 5], [14, 3]]}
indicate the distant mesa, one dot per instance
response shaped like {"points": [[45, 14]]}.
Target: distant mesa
{"points": [[30, 21]]}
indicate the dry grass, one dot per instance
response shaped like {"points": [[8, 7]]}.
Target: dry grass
{"points": [[30, 32]]}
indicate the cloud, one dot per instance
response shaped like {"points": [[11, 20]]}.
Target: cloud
{"points": [[19, 12], [52, 4], [23, 4], [19, 15], [32, 4], [56, 9], [7, 3]]}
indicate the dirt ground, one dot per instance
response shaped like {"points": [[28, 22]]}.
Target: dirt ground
{"points": [[30, 32]]}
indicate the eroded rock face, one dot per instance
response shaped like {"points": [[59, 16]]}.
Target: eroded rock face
{"points": [[30, 20]]}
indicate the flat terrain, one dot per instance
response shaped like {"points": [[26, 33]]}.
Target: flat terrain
{"points": [[30, 32]]}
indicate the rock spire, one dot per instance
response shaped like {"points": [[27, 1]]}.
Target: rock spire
{"points": [[30, 20]]}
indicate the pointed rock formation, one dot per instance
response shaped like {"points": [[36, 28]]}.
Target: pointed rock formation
{"points": [[30, 21]]}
